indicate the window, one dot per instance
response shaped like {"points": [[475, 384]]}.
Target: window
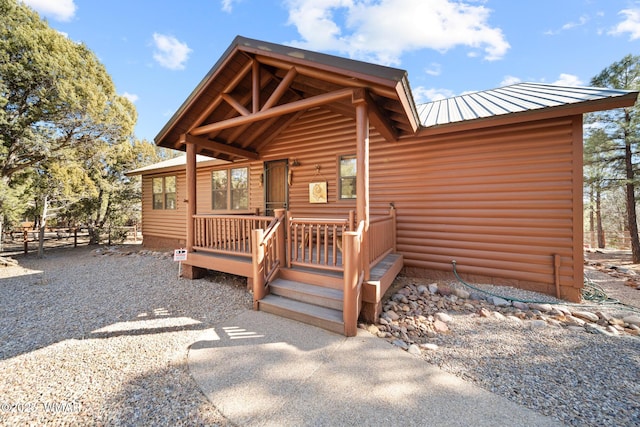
{"points": [[347, 178], [164, 192], [230, 189]]}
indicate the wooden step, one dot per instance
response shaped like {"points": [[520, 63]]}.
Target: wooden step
{"points": [[317, 295], [322, 317], [324, 278]]}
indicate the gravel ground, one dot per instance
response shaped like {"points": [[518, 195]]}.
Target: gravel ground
{"points": [[580, 378], [95, 339], [88, 339]]}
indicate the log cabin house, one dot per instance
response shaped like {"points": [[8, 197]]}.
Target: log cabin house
{"points": [[324, 180]]}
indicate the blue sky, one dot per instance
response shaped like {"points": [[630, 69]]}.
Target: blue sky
{"points": [[157, 51]]}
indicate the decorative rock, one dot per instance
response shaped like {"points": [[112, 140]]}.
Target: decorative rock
{"points": [[543, 307], [520, 305], [575, 321], [499, 302], [562, 309], [373, 329], [422, 289], [392, 315], [414, 349], [461, 293], [383, 321], [440, 326], [477, 297], [595, 329], [586, 315], [433, 288], [515, 320], [444, 290], [399, 343], [634, 319], [484, 312], [443, 317], [429, 346]]}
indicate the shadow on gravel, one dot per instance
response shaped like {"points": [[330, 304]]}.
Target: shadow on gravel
{"points": [[76, 294], [163, 397]]}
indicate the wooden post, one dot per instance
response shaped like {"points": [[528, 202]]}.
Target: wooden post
{"points": [[394, 225], [351, 267], [26, 241], [257, 257], [362, 168], [75, 237], [191, 193], [281, 252]]}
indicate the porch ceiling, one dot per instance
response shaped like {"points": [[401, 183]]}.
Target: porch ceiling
{"points": [[257, 89]]}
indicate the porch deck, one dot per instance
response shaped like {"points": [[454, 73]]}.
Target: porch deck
{"points": [[310, 253]]}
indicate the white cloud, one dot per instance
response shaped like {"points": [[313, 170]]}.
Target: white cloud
{"points": [[583, 20], [568, 80], [131, 96], [227, 5], [382, 31], [60, 10], [630, 24], [422, 94], [170, 52], [510, 80], [434, 69]]}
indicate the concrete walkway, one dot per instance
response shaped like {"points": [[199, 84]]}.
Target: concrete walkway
{"points": [[262, 370]]}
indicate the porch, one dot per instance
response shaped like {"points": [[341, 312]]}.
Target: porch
{"points": [[324, 271]]}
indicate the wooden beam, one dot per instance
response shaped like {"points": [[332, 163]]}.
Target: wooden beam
{"points": [[235, 104], [280, 110], [218, 99], [218, 146], [280, 90], [377, 85], [255, 86], [378, 119]]}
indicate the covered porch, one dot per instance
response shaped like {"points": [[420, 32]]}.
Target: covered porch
{"points": [[335, 255]]}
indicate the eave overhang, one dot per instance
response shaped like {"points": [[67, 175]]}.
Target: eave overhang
{"points": [[256, 89]]}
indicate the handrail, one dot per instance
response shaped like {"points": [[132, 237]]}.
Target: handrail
{"points": [[268, 255]]}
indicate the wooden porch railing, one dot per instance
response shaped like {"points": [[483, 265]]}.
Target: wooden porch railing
{"points": [[353, 279], [317, 242], [227, 234], [268, 255], [382, 237]]}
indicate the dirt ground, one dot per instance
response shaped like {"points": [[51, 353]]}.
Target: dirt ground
{"points": [[613, 270]]}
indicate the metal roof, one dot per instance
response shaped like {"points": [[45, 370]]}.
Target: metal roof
{"points": [[176, 163], [517, 98]]}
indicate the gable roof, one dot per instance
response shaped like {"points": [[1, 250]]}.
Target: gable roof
{"points": [[521, 98], [254, 90]]}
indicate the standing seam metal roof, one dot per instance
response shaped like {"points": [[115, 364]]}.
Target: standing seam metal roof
{"points": [[516, 98]]}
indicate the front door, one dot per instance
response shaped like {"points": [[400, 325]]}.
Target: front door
{"points": [[276, 189]]}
